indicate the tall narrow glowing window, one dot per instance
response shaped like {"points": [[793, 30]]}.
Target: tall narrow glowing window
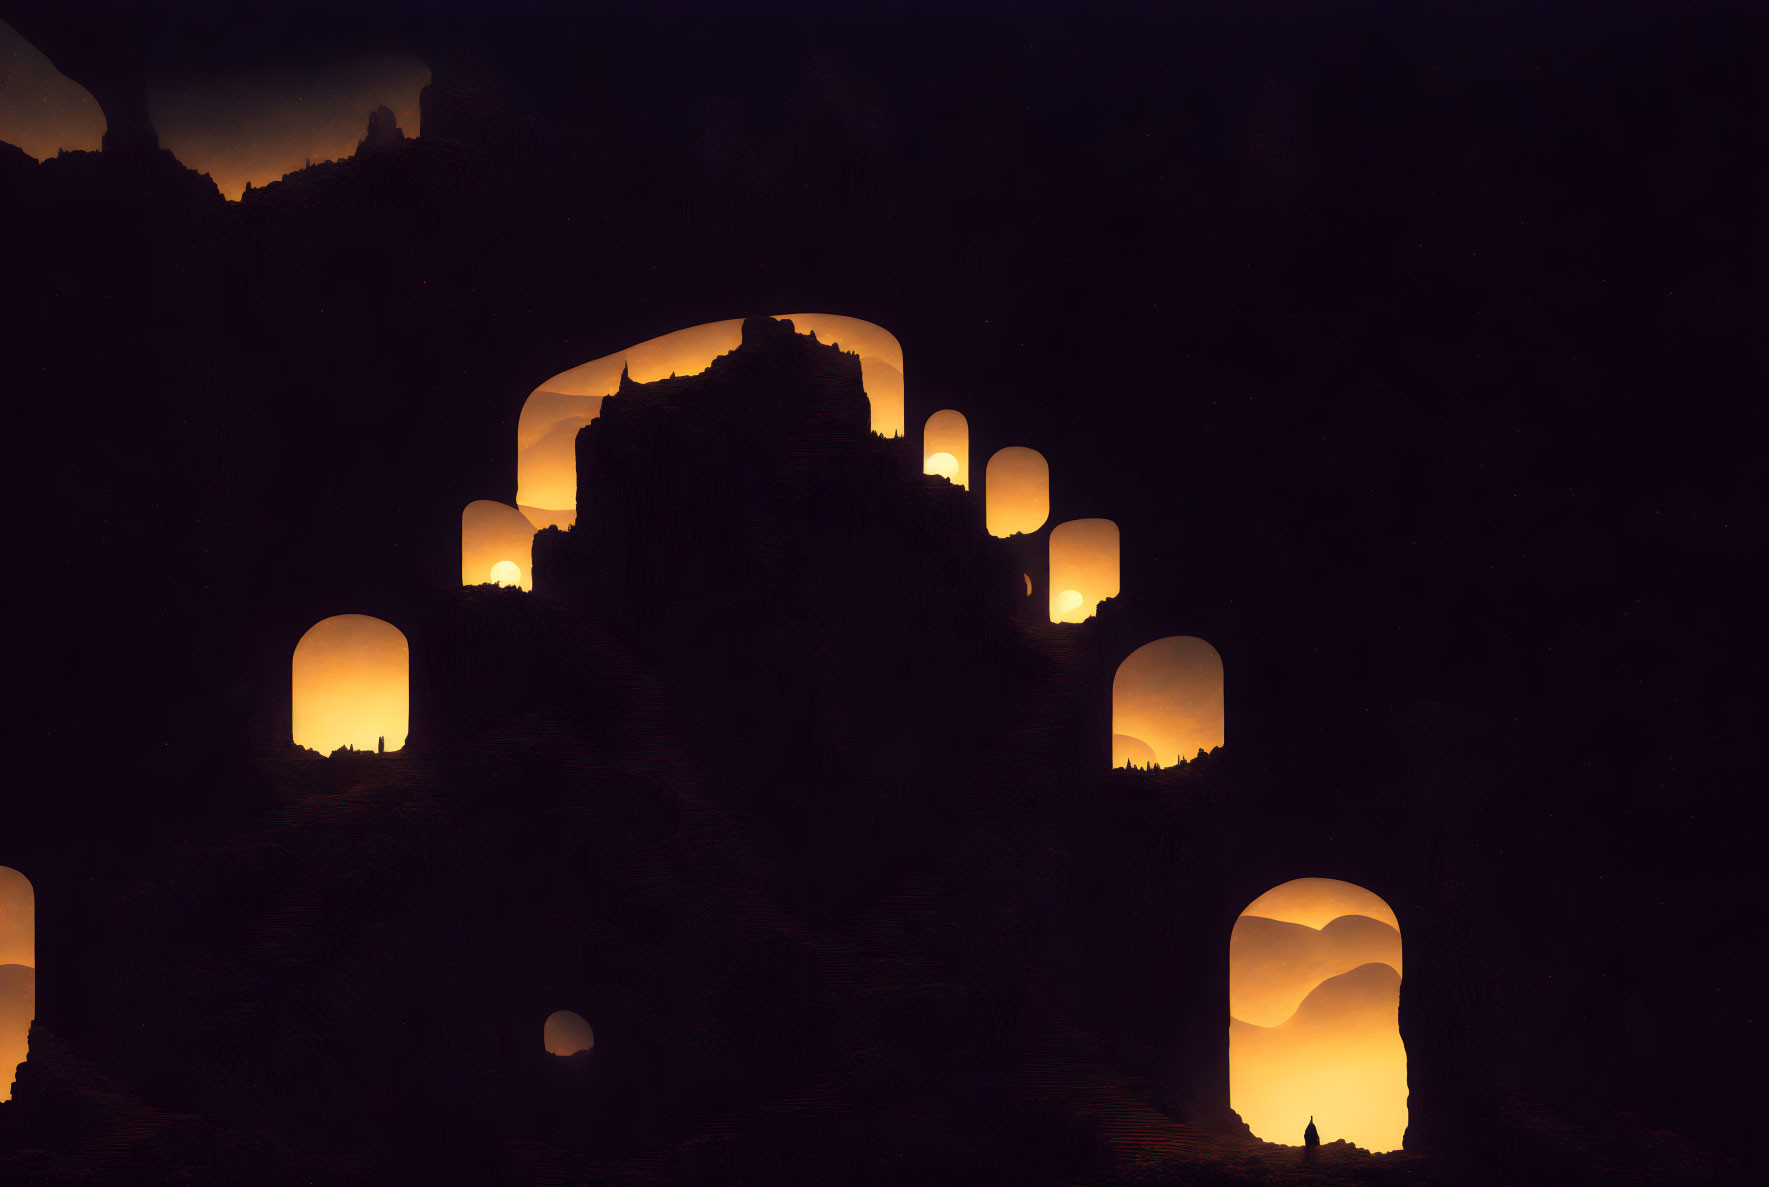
{"points": [[351, 685], [566, 1033], [1167, 701], [1083, 568], [881, 361], [1314, 1024], [945, 447], [18, 972], [1017, 491], [497, 541]]}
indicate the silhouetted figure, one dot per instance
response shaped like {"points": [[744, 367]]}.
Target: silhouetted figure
{"points": [[1311, 1138], [382, 749]]}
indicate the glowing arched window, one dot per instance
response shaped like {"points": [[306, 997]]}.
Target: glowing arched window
{"points": [[497, 541], [351, 685], [566, 1033], [1083, 568], [18, 972], [945, 446], [1167, 696], [881, 361], [1314, 1026], [1016, 491]]}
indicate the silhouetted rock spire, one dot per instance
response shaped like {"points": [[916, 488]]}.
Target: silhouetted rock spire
{"points": [[383, 130], [1311, 1141]]}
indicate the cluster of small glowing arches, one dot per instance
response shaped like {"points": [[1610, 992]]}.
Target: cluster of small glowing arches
{"points": [[546, 430], [566, 1033], [1167, 702], [351, 685], [18, 972], [1314, 1027]]}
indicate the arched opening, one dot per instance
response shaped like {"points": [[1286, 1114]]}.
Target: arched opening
{"points": [[1016, 491], [497, 543], [351, 685], [1083, 568], [1168, 696], [566, 1033], [18, 973], [945, 447], [1314, 1016], [546, 431], [881, 361]]}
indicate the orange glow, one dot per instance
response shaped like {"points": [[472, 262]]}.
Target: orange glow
{"points": [[41, 109], [1169, 695], [492, 535], [1017, 490], [546, 431], [566, 1033], [1131, 752], [18, 972], [1314, 1025], [945, 446], [255, 126], [881, 361], [1083, 567], [352, 685]]}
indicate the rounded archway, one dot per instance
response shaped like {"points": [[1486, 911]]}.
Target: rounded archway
{"points": [[351, 685], [18, 973], [1016, 491], [497, 543], [1083, 568], [945, 447], [1167, 695], [1314, 1023], [566, 1033]]}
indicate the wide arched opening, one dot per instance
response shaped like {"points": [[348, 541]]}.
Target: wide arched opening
{"points": [[1314, 1016], [945, 447], [1016, 491], [18, 973], [351, 685], [497, 544], [1167, 702], [566, 1033], [1083, 568]]}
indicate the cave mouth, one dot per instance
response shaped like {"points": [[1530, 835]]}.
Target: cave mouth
{"points": [[1314, 1016], [566, 1033]]}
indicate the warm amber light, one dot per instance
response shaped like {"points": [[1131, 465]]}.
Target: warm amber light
{"points": [[1314, 1017], [1016, 491], [41, 109], [566, 1033], [255, 126], [351, 685], [945, 446], [1131, 752], [1169, 694], [18, 972], [881, 361], [546, 431], [1084, 563], [497, 543]]}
